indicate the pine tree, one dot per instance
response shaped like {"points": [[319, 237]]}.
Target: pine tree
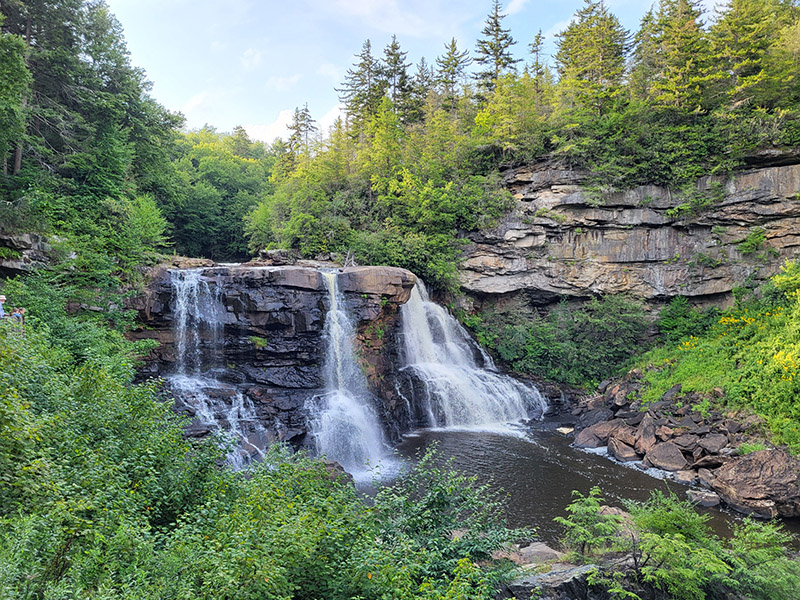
{"points": [[538, 68], [452, 66], [363, 87], [741, 38], [421, 85], [493, 50], [591, 58], [302, 128], [685, 75], [646, 60]]}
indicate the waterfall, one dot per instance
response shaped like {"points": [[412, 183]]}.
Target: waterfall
{"points": [[216, 406], [343, 422], [458, 384]]}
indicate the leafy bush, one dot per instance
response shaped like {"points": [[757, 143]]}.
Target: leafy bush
{"points": [[679, 319], [578, 346], [673, 551]]}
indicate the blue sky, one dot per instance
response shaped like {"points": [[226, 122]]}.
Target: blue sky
{"points": [[251, 62]]}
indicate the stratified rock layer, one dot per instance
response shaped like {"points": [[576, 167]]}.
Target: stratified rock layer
{"points": [[272, 347], [562, 240]]}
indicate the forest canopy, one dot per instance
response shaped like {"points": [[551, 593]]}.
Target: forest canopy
{"points": [[415, 161]]}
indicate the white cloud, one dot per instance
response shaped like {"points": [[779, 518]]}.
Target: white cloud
{"points": [[515, 6], [331, 71], [276, 129], [195, 102], [218, 46], [251, 59], [282, 84], [326, 121]]}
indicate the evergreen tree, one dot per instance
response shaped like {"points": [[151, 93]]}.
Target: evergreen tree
{"points": [[493, 51], [395, 70], [591, 59], [741, 38], [15, 80], [302, 129], [646, 59], [452, 66], [363, 87], [421, 85], [538, 68], [685, 75]]}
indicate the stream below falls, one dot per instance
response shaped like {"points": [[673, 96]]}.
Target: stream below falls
{"points": [[538, 470]]}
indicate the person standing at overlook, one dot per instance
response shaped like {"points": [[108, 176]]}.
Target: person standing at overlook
{"points": [[2, 299]]}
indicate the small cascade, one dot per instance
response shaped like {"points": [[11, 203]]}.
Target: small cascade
{"points": [[343, 422], [216, 406], [457, 383]]}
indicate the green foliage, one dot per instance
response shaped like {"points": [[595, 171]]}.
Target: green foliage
{"points": [[103, 496], [673, 552], [748, 447], [587, 529], [680, 319], [751, 351], [753, 241], [578, 346]]}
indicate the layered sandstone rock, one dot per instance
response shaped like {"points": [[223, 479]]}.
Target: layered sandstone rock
{"points": [[562, 240]]}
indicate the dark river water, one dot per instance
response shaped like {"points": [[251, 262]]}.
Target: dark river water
{"points": [[539, 470]]}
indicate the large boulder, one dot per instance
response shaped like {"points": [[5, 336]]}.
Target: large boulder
{"points": [[666, 456], [764, 483]]}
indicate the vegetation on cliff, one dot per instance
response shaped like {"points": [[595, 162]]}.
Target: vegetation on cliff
{"points": [[749, 352]]}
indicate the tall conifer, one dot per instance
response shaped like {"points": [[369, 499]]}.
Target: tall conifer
{"points": [[493, 51]]}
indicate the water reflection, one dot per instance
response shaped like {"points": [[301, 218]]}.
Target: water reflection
{"points": [[538, 472]]}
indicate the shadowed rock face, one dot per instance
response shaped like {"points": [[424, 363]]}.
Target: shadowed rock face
{"points": [[22, 253], [272, 345], [559, 240]]}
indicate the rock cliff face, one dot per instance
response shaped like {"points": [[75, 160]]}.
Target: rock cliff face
{"points": [[22, 253], [271, 345], [561, 240]]}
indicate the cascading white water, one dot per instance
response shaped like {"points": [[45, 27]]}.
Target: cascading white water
{"points": [[216, 405], [456, 389], [343, 422]]}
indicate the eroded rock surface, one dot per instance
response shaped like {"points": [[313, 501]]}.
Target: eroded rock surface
{"points": [[271, 345], [765, 483], [561, 240]]}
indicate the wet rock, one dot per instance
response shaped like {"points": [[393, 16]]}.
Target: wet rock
{"points": [[703, 498], [605, 429], [765, 483], [710, 462], [714, 443], [706, 477], [686, 476], [621, 451], [625, 434], [666, 456], [586, 439]]}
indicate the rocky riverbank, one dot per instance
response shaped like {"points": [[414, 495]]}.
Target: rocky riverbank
{"points": [[697, 444]]}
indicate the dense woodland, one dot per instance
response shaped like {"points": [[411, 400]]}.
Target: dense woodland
{"points": [[413, 164], [100, 494]]}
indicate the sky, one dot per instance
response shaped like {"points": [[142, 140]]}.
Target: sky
{"points": [[252, 62]]}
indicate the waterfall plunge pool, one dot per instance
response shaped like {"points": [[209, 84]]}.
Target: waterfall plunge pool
{"points": [[538, 469]]}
